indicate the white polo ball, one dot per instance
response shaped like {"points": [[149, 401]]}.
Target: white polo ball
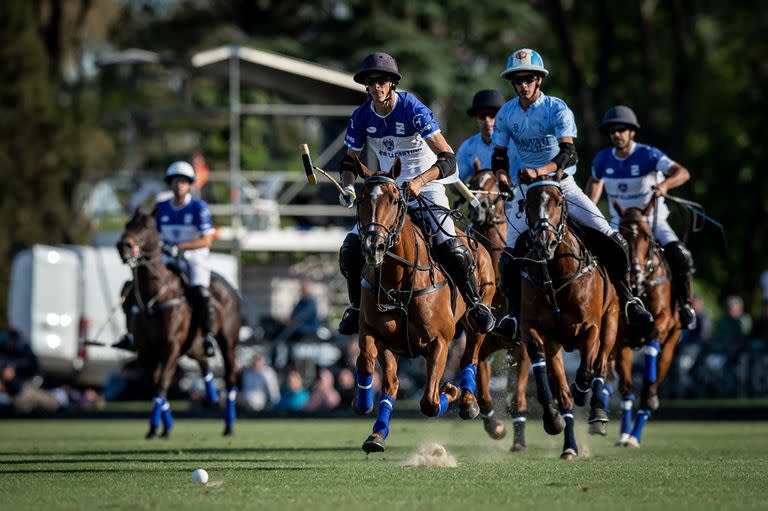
{"points": [[200, 476]]}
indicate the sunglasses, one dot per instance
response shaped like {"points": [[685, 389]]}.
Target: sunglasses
{"points": [[519, 80], [381, 80], [485, 115], [616, 129]]}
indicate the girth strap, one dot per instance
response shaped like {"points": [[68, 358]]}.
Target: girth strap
{"points": [[405, 294]]}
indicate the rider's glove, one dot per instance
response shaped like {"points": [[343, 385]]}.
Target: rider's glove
{"points": [[348, 200], [505, 188], [171, 249]]}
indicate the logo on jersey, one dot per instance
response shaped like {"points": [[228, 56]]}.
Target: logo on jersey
{"points": [[609, 170], [176, 234], [634, 170], [515, 127], [371, 129], [623, 187], [188, 218], [389, 144], [399, 128], [164, 218], [418, 122]]}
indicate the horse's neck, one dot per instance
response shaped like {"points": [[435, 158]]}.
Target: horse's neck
{"points": [[411, 247], [567, 255], [152, 275]]}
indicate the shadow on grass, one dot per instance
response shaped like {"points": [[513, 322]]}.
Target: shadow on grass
{"points": [[158, 469], [181, 452]]}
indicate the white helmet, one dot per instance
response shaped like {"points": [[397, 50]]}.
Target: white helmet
{"points": [[524, 60], [180, 169]]}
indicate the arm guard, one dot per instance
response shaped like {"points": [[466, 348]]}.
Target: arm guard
{"points": [[348, 164], [500, 160], [566, 157], [446, 163]]}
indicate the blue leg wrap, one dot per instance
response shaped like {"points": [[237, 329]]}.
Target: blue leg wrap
{"points": [[157, 412], [210, 389], [626, 413], [386, 403], [640, 418], [650, 352], [570, 438], [543, 392], [364, 392], [605, 396], [443, 405], [167, 417], [468, 375], [231, 413], [598, 384]]}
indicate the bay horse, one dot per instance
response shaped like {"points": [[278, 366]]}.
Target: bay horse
{"points": [[650, 280], [569, 304], [489, 225], [165, 327], [407, 308]]}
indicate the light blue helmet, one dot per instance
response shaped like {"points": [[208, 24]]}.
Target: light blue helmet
{"points": [[180, 169], [524, 60]]}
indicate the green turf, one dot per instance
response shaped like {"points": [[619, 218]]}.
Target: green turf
{"points": [[305, 464]]}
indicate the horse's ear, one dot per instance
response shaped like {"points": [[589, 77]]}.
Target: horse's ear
{"points": [[394, 172], [649, 207], [477, 165], [559, 175], [621, 211], [362, 170]]}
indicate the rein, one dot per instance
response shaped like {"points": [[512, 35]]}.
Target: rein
{"points": [[142, 259]]}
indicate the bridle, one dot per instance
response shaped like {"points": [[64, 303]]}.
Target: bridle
{"points": [[389, 234], [639, 272], [543, 225]]}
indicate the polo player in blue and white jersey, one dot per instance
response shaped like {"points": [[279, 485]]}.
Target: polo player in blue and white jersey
{"points": [[396, 124], [485, 105], [542, 129], [634, 174]]}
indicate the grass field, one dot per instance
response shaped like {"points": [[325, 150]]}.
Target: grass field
{"points": [[306, 464]]}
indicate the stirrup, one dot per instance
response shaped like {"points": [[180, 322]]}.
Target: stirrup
{"points": [[687, 316], [506, 327], [481, 318]]}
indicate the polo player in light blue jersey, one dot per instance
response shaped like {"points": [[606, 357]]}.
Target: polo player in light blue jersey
{"points": [[485, 105], [542, 129], [634, 174]]}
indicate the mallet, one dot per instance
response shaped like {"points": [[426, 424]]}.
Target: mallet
{"points": [[309, 170]]}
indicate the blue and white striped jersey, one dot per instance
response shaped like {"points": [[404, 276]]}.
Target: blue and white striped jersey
{"points": [[186, 223]]}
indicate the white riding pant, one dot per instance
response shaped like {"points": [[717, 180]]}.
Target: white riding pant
{"points": [[580, 209], [663, 232], [199, 271], [440, 222]]}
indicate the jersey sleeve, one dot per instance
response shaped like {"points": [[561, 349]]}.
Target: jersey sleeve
{"points": [[355, 138], [597, 167], [204, 221], [423, 120], [501, 129], [563, 120], [464, 161], [661, 161]]}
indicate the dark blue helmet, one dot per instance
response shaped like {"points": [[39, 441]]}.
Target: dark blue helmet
{"points": [[378, 62], [619, 114], [488, 99]]}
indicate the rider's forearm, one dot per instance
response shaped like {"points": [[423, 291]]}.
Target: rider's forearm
{"points": [[204, 241], [593, 190], [428, 175], [678, 176], [347, 178], [546, 169]]}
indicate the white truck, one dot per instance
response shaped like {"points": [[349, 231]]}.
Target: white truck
{"points": [[60, 296]]}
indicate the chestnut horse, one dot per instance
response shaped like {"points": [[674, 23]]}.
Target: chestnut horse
{"points": [[569, 304], [407, 309], [165, 327], [650, 279], [489, 226]]}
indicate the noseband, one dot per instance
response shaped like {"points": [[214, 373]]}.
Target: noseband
{"points": [[389, 234], [544, 224]]}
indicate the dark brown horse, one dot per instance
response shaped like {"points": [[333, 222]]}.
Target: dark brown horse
{"points": [[568, 304], [166, 328], [489, 226], [651, 281], [407, 308]]}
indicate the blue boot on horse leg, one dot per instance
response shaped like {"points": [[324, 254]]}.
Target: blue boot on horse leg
{"points": [[375, 442], [570, 450], [625, 430], [553, 421], [363, 405], [230, 412], [648, 398], [598, 415], [467, 377], [641, 417], [211, 395], [161, 412]]}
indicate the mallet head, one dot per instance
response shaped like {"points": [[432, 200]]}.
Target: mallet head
{"points": [[308, 167]]}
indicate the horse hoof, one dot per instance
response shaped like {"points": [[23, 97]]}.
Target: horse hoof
{"points": [[598, 428], [151, 434], [374, 443], [166, 434], [622, 441], [470, 410], [228, 431], [518, 447], [554, 424], [452, 391], [652, 403], [597, 415], [495, 429], [633, 442], [569, 454]]}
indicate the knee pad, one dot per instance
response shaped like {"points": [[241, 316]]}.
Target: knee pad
{"points": [[350, 255]]}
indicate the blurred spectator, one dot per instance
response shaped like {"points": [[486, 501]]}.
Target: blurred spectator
{"points": [[294, 396], [760, 327], [324, 396], [259, 388], [18, 353], [345, 385], [732, 329], [304, 320], [703, 331]]}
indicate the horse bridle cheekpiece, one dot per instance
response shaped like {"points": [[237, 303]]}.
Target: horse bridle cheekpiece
{"points": [[391, 233], [544, 223]]}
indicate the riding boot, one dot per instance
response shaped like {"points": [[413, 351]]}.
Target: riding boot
{"points": [[681, 263], [206, 311], [510, 285], [126, 341], [351, 265], [613, 253], [457, 261]]}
